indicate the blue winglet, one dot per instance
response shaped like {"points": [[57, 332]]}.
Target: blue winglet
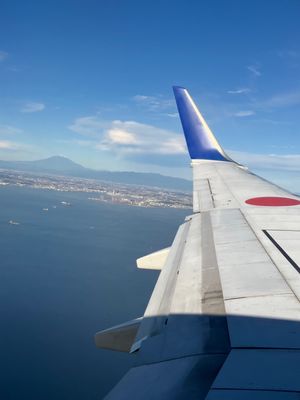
{"points": [[202, 144]]}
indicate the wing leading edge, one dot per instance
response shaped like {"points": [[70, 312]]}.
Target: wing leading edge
{"points": [[223, 318]]}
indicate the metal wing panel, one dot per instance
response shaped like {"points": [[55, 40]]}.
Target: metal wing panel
{"points": [[273, 370], [241, 394], [192, 320], [224, 317], [230, 185], [183, 378]]}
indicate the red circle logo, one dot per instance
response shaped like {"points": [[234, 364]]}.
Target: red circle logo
{"points": [[272, 201]]}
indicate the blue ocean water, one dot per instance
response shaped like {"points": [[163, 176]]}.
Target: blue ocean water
{"points": [[66, 273]]}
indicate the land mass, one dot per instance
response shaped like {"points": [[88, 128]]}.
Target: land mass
{"points": [[113, 192], [58, 165]]}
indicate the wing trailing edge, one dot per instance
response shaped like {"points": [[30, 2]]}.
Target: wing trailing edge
{"points": [[201, 142], [120, 337]]}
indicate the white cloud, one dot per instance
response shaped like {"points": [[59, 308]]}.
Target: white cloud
{"points": [[3, 55], [154, 103], [9, 130], [290, 57], [32, 107], [173, 146], [10, 150], [8, 145], [134, 137], [13, 68], [147, 138], [254, 69], [89, 126], [239, 91], [119, 136], [281, 100], [245, 113], [288, 54], [141, 98], [129, 137], [172, 115]]}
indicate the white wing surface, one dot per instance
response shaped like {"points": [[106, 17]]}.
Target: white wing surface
{"points": [[223, 319]]}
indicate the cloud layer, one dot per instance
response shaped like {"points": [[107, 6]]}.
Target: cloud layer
{"points": [[9, 130], [287, 162]]}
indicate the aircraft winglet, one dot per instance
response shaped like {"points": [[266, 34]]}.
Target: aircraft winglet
{"points": [[202, 144]]}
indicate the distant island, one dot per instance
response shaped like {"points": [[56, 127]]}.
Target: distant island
{"points": [[58, 165]]}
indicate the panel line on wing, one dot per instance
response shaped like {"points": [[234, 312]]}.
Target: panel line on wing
{"points": [[282, 251]]}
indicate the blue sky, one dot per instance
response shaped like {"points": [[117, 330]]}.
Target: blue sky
{"points": [[91, 80]]}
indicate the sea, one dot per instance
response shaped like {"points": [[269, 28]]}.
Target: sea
{"points": [[67, 271]]}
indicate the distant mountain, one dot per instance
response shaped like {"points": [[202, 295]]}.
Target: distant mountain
{"points": [[55, 163], [58, 165]]}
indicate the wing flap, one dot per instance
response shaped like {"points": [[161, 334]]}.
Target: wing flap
{"points": [[155, 260], [119, 337]]}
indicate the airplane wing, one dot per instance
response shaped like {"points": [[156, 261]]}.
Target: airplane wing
{"points": [[223, 318]]}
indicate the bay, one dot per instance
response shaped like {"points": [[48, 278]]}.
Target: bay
{"points": [[66, 272]]}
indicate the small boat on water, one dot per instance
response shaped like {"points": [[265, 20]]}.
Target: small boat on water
{"points": [[65, 203], [11, 222]]}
